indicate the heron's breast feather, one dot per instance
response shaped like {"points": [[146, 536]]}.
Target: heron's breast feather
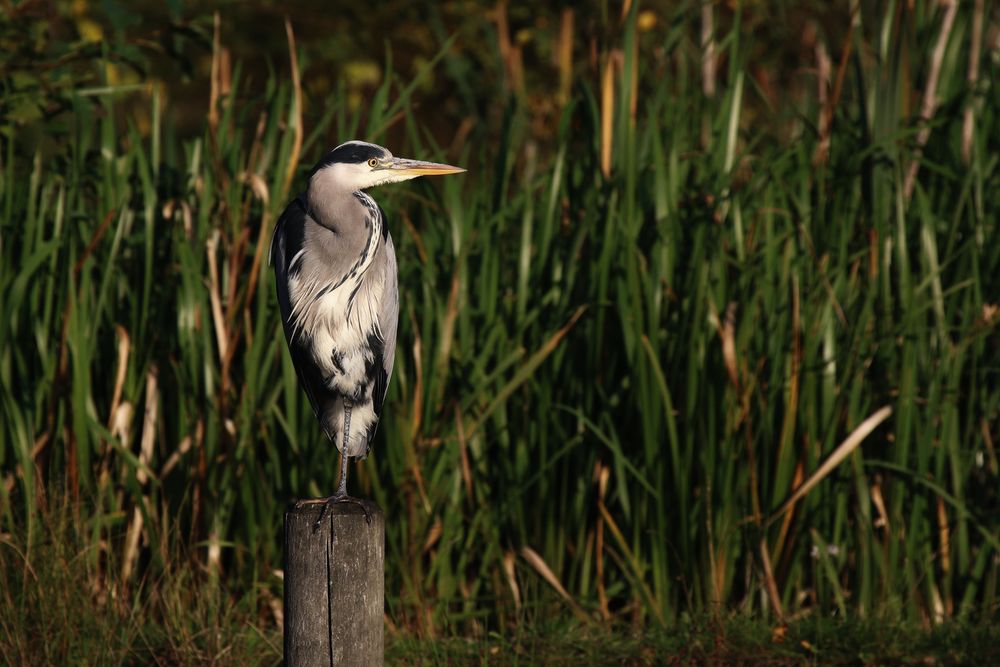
{"points": [[338, 323]]}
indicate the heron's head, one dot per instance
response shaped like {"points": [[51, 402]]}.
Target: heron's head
{"points": [[358, 165]]}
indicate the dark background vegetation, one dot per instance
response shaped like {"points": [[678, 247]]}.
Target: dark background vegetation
{"points": [[699, 360]]}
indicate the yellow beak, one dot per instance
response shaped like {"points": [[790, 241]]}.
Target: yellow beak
{"points": [[401, 165]]}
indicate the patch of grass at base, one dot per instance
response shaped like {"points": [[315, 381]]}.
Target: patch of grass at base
{"points": [[67, 602], [734, 641]]}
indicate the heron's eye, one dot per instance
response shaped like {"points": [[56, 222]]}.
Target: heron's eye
{"points": [[373, 163]]}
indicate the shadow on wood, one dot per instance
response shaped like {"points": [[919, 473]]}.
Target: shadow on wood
{"points": [[334, 586]]}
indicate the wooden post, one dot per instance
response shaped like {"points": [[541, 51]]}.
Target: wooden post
{"points": [[334, 586]]}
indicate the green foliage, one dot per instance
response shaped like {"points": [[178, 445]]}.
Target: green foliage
{"points": [[619, 352]]}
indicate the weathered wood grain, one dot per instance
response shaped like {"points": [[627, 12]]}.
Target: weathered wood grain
{"points": [[334, 586]]}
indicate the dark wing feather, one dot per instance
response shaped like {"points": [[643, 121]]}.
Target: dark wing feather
{"points": [[287, 241]]}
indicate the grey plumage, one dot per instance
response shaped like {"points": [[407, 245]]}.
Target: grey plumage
{"points": [[340, 287], [336, 278]]}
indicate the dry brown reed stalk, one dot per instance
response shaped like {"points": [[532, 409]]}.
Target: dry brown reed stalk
{"points": [[930, 101], [463, 451], [824, 68], [175, 457], [879, 502], [602, 474], [709, 57], [509, 559], [119, 414], [213, 94], [221, 75], [843, 450], [503, 37], [786, 523], [612, 63], [124, 346], [829, 99], [976, 45], [539, 565], [770, 584], [944, 536], [510, 53], [150, 423], [564, 56], [984, 427], [293, 158], [214, 294]]}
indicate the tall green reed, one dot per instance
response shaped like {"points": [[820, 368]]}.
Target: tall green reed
{"points": [[622, 346]]}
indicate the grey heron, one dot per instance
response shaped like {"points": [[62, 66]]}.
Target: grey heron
{"points": [[335, 272]]}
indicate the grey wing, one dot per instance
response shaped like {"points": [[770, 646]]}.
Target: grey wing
{"points": [[388, 316], [286, 243], [388, 320]]}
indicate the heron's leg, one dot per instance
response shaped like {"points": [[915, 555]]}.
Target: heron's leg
{"points": [[341, 491], [340, 495], [342, 487]]}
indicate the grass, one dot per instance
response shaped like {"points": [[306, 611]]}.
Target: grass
{"points": [[730, 641], [60, 609], [65, 603], [625, 343]]}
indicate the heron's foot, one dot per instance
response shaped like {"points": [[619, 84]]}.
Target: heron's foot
{"points": [[332, 500]]}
